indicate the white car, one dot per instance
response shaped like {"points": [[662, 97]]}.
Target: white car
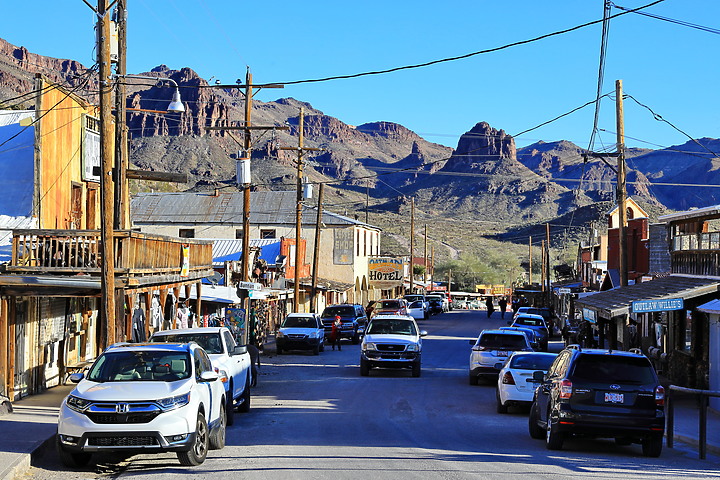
{"points": [[231, 361], [392, 341], [301, 331], [144, 398], [490, 349], [416, 310], [515, 380]]}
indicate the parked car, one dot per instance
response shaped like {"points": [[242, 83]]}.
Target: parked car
{"points": [[537, 323], [392, 341], [144, 398], [230, 360], [493, 347], [532, 335], [516, 385], [543, 312], [301, 331], [437, 304], [413, 297], [599, 393], [352, 317], [416, 310], [396, 306]]}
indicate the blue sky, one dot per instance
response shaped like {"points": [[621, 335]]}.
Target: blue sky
{"points": [[671, 68]]}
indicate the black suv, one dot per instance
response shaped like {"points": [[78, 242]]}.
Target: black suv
{"points": [[353, 320], [599, 393]]}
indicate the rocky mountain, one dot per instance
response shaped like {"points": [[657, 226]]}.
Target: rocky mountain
{"points": [[485, 179]]}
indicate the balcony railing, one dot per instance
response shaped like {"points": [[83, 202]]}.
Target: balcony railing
{"points": [[696, 241], [61, 252]]}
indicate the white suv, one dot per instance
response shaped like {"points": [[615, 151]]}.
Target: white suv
{"points": [[144, 398], [392, 341]]}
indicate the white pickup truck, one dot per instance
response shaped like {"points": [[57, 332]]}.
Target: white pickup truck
{"points": [[232, 361]]}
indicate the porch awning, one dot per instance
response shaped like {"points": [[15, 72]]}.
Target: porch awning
{"points": [[613, 303]]}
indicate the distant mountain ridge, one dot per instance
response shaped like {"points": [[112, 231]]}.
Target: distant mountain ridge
{"points": [[486, 176]]}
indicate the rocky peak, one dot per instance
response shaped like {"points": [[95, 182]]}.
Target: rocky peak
{"points": [[480, 145]]}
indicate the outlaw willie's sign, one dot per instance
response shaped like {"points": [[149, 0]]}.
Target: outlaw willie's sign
{"points": [[385, 273]]}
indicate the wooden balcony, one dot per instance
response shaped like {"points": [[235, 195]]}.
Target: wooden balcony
{"points": [[696, 254], [137, 255]]}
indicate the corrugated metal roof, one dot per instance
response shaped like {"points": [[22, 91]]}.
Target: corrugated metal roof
{"points": [[266, 208], [712, 211], [617, 302]]}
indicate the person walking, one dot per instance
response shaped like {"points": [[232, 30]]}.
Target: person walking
{"points": [[502, 303], [490, 306], [335, 333]]}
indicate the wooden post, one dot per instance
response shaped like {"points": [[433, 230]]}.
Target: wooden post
{"points": [[530, 261], [412, 241], [316, 250], [122, 212], [621, 186], [298, 211]]}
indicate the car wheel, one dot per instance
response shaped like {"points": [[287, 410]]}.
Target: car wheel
{"points": [[244, 406], [553, 438], [322, 346], [364, 367], [71, 459], [500, 407], [217, 437], [197, 454], [416, 369], [473, 379], [652, 446], [355, 338], [535, 431], [316, 350], [230, 408]]}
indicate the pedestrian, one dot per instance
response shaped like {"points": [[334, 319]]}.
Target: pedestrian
{"points": [[515, 304], [254, 363], [490, 306], [502, 303], [335, 333]]}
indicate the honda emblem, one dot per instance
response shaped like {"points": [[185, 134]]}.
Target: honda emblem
{"points": [[122, 408]]}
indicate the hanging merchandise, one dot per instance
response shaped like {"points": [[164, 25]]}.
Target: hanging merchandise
{"points": [[156, 312]]}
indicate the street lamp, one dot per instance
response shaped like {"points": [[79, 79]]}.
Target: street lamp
{"points": [[176, 104]]}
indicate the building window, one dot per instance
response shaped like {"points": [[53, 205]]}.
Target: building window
{"points": [[365, 243], [270, 233], [186, 233], [239, 234], [357, 243]]}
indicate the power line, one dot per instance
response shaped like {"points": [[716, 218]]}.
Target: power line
{"points": [[671, 20]]}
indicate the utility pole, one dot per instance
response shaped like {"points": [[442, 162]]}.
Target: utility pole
{"points": [[621, 185], [301, 149], [316, 250], [122, 195], [432, 266], [542, 268], [412, 241], [367, 200], [107, 195], [547, 267], [425, 255], [530, 260]]}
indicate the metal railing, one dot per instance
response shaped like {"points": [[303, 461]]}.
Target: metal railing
{"points": [[704, 397]]}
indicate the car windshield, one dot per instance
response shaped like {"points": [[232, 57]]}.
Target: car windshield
{"points": [[532, 362], [613, 369], [529, 321], [209, 341], [504, 341], [347, 311], [393, 326], [139, 366], [299, 322]]}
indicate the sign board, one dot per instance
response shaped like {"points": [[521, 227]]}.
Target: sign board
{"points": [[589, 315], [662, 305], [343, 246], [498, 289], [91, 149], [563, 291], [185, 265], [249, 286], [385, 273], [235, 321]]}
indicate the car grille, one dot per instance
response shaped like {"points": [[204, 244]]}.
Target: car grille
{"points": [[296, 336], [122, 412], [123, 441], [390, 347]]}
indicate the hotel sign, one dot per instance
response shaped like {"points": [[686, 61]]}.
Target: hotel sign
{"points": [[385, 273], [663, 305]]}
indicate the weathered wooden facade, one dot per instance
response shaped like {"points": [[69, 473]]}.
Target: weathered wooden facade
{"points": [[50, 286]]}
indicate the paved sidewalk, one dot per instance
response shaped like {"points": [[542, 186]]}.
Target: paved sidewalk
{"points": [[33, 423]]}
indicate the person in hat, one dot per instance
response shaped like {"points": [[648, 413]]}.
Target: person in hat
{"points": [[335, 333]]}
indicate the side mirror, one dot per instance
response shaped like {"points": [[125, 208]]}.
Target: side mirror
{"points": [[209, 376], [239, 350], [76, 377], [539, 376], [423, 333]]}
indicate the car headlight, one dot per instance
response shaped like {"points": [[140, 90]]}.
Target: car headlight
{"points": [[78, 404], [369, 346], [413, 348], [279, 334], [177, 401]]}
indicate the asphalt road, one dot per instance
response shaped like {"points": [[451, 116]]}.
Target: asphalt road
{"points": [[315, 417]]}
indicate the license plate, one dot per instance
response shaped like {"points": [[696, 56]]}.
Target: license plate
{"points": [[502, 354], [614, 397]]}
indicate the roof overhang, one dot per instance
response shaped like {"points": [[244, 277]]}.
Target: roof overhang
{"points": [[617, 302]]}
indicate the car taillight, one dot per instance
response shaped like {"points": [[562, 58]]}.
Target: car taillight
{"points": [[565, 389], [508, 379], [659, 396]]}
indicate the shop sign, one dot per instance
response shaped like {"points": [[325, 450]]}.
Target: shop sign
{"points": [[249, 286], [589, 315], [662, 305], [385, 273], [564, 291]]}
